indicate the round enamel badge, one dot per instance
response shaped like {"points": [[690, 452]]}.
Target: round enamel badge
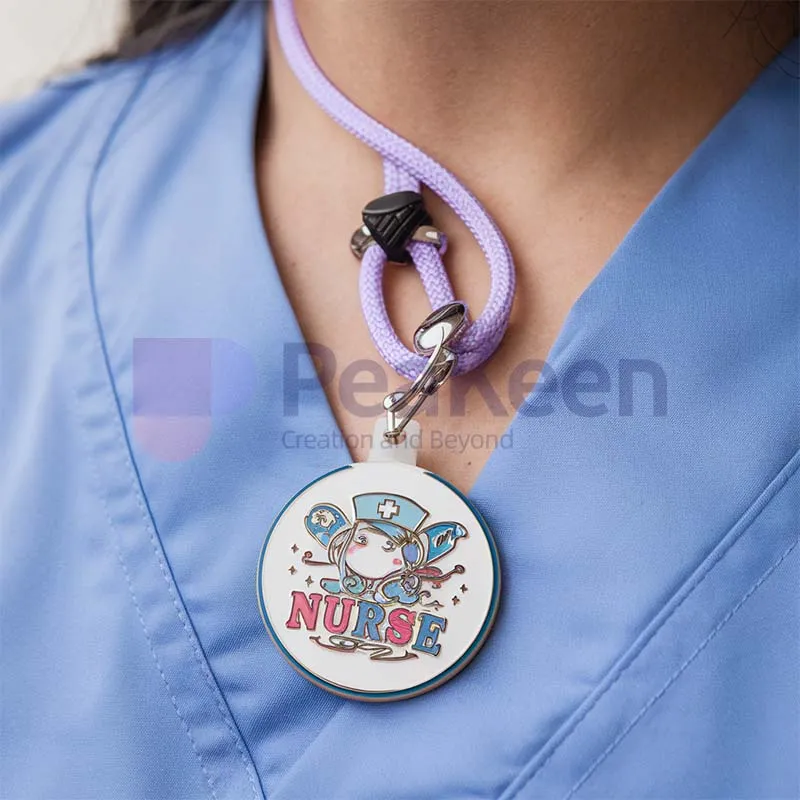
{"points": [[379, 581]]}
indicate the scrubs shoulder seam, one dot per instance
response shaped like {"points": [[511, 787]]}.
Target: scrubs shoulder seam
{"points": [[140, 83], [129, 583], [678, 672], [704, 569], [136, 487]]}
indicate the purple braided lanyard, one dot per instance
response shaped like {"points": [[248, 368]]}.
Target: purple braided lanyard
{"points": [[406, 168]]}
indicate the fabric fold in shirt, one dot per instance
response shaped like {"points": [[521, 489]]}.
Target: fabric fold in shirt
{"points": [[647, 643]]}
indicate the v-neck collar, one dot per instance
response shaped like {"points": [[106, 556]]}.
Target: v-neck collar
{"points": [[597, 304], [180, 251]]}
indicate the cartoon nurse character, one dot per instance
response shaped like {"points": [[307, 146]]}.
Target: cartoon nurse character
{"points": [[383, 556]]}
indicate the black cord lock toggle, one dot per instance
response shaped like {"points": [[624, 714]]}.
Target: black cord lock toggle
{"points": [[392, 221]]}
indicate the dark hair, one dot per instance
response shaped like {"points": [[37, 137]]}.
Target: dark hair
{"points": [[154, 24]]}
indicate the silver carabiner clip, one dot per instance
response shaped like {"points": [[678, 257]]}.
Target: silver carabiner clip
{"points": [[431, 339]]}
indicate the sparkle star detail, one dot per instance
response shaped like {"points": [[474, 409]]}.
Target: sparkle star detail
{"points": [[456, 600], [309, 581], [292, 570], [295, 548], [464, 588]]}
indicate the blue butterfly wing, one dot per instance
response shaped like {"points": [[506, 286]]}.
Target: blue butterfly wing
{"points": [[324, 521], [442, 538]]}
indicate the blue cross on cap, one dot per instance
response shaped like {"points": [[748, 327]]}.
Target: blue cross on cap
{"points": [[391, 513]]}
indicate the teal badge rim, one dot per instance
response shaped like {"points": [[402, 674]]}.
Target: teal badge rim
{"points": [[420, 688]]}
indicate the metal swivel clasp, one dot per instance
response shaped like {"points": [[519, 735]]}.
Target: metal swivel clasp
{"points": [[432, 338]]}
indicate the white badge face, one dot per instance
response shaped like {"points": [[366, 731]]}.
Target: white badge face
{"points": [[378, 581]]}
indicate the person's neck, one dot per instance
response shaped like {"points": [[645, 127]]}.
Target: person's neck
{"points": [[565, 82], [564, 119]]}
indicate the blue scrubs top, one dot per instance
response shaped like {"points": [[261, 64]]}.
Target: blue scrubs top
{"points": [[647, 643]]}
